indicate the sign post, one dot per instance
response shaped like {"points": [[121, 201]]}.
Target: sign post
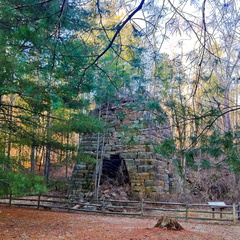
{"points": [[217, 205]]}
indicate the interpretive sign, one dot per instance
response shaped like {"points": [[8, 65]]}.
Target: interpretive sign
{"points": [[217, 205]]}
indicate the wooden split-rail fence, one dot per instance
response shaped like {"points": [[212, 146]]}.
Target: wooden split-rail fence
{"points": [[142, 208]]}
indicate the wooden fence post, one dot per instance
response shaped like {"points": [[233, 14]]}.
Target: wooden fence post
{"points": [[10, 199], [69, 203], [39, 199], [234, 214], [238, 210], [103, 204], [142, 207], [186, 216]]}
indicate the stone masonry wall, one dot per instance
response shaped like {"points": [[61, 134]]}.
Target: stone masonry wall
{"points": [[131, 134]]}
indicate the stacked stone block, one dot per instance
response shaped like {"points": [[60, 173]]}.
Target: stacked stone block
{"points": [[132, 134]]}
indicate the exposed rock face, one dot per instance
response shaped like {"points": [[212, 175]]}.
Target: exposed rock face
{"points": [[127, 149]]}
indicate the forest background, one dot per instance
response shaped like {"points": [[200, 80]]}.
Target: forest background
{"points": [[61, 58]]}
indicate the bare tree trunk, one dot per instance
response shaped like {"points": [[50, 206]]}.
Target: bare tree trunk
{"points": [[226, 108], [33, 159], [61, 151], [48, 150], [47, 163], [237, 99], [10, 114], [97, 167], [41, 158], [67, 157], [182, 137], [98, 173]]}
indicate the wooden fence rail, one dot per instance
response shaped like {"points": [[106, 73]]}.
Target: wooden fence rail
{"points": [[124, 207]]}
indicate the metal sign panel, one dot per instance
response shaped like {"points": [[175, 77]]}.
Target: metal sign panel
{"points": [[217, 204]]}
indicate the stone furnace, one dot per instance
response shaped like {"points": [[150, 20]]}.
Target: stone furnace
{"points": [[126, 153]]}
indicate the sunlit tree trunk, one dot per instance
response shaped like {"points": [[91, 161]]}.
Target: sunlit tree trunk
{"points": [[10, 133]]}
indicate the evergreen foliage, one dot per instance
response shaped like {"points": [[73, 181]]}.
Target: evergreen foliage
{"points": [[48, 82]]}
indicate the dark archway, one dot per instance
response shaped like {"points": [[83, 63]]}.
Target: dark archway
{"points": [[114, 171]]}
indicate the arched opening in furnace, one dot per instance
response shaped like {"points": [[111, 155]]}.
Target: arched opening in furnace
{"points": [[114, 171]]}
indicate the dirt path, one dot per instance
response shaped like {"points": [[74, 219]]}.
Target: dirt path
{"points": [[23, 223]]}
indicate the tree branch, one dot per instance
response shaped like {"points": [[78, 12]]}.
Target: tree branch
{"points": [[119, 27]]}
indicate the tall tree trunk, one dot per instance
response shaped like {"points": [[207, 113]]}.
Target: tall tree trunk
{"points": [[67, 157], [47, 163], [226, 116], [97, 169], [99, 164], [33, 158], [41, 158], [182, 135], [61, 154], [237, 100], [10, 134], [48, 150]]}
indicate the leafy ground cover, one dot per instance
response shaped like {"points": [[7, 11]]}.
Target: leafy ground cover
{"points": [[24, 223]]}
